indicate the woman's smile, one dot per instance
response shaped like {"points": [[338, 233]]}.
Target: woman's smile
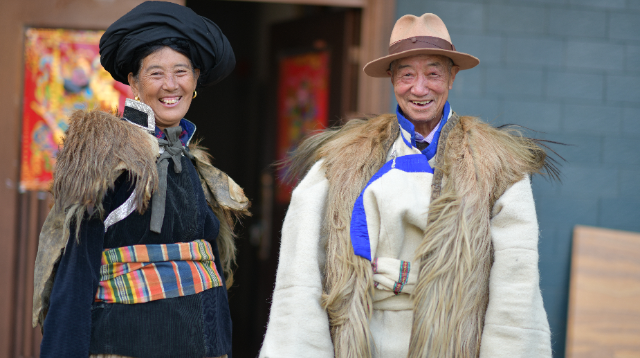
{"points": [[170, 101]]}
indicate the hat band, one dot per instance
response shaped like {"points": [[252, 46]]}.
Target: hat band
{"points": [[418, 42]]}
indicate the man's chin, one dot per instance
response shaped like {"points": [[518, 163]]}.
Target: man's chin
{"points": [[420, 116]]}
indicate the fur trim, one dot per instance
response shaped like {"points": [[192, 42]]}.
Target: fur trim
{"points": [[479, 163], [348, 281], [228, 202], [51, 244], [456, 255]]}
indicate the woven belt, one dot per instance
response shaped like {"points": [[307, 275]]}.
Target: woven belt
{"points": [[143, 273]]}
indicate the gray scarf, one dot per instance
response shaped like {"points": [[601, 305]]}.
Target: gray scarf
{"points": [[171, 148]]}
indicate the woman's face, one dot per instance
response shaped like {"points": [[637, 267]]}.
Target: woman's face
{"points": [[166, 82]]}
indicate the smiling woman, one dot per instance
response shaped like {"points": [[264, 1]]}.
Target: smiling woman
{"points": [[165, 80], [135, 257]]}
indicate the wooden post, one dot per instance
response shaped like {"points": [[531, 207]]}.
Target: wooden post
{"points": [[378, 17]]}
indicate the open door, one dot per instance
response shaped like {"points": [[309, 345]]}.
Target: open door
{"points": [[314, 77]]}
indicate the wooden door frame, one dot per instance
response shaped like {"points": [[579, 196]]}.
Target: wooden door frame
{"points": [[378, 17]]}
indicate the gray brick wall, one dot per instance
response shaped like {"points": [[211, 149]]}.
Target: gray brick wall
{"points": [[571, 69]]}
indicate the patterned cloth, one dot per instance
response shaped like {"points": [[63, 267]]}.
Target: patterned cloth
{"points": [[188, 129], [405, 268], [143, 273]]}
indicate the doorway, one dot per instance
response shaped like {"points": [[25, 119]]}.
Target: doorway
{"points": [[237, 120]]}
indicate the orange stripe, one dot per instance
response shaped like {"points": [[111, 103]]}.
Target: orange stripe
{"points": [[185, 253], [152, 279], [142, 254], [197, 280]]}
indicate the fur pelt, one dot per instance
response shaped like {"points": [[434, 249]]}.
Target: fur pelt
{"points": [[352, 155], [476, 163], [96, 150]]}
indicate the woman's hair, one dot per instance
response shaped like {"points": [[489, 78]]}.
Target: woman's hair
{"points": [[178, 45]]}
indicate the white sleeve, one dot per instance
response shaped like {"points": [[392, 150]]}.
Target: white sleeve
{"points": [[516, 323], [298, 326]]}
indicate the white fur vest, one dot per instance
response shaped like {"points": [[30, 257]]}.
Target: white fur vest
{"points": [[475, 164]]}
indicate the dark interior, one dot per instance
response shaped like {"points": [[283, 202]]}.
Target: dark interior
{"points": [[236, 121]]}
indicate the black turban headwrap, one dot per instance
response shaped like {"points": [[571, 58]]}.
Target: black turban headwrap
{"points": [[153, 21]]}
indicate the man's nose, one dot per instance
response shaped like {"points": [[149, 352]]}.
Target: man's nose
{"points": [[420, 87]]}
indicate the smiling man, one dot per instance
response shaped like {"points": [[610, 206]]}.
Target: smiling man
{"points": [[421, 84], [415, 233]]}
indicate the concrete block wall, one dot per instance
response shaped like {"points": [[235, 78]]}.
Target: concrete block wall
{"points": [[570, 69]]}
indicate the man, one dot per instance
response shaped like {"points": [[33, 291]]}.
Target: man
{"points": [[412, 234]]}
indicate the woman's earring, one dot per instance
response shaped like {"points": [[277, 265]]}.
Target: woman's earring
{"points": [[137, 98], [195, 94]]}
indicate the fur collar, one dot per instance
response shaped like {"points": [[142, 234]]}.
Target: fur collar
{"points": [[475, 164]]}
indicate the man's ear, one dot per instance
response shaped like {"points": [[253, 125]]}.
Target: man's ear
{"points": [[454, 72]]}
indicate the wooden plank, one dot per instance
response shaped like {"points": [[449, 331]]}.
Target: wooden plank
{"points": [[21, 300], [378, 17], [604, 294], [33, 232]]}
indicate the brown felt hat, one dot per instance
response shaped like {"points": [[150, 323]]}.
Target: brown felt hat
{"points": [[424, 35]]}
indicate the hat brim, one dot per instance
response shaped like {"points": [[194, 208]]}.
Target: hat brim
{"points": [[379, 67]]}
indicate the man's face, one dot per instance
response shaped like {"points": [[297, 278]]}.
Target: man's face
{"points": [[421, 84]]}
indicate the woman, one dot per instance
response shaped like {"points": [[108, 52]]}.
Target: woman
{"points": [[143, 221]]}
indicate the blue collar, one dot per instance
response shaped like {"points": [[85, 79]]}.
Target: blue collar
{"points": [[188, 130], [430, 150]]}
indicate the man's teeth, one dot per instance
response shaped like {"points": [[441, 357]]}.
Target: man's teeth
{"points": [[170, 100], [422, 103]]}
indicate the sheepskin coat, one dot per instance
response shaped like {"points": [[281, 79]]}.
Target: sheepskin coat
{"points": [[388, 251]]}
